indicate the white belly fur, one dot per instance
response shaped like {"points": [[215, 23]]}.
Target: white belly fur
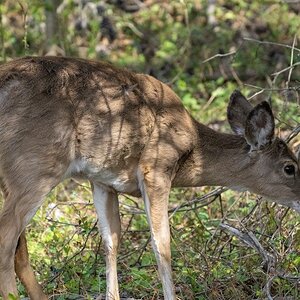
{"points": [[122, 181]]}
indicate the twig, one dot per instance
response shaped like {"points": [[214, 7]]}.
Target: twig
{"points": [[25, 25], [215, 193], [256, 94], [295, 88], [286, 69], [134, 29], [250, 239], [292, 60], [61, 270], [268, 288], [270, 43], [142, 252], [293, 134], [268, 259], [219, 55]]}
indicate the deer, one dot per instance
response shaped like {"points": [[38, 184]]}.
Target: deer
{"points": [[126, 133]]}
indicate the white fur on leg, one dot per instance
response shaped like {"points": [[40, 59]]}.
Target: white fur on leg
{"points": [[160, 237], [107, 206]]}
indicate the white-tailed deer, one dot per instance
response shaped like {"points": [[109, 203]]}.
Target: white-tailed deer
{"points": [[125, 133]]}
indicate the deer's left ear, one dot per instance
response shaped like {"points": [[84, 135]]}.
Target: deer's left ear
{"points": [[260, 126], [237, 112]]}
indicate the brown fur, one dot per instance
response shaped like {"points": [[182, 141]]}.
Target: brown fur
{"points": [[125, 132]]}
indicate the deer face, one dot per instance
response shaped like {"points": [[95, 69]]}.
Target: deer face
{"points": [[280, 174]]}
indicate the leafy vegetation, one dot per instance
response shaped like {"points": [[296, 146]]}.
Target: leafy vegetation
{"points": [[204, 50]]}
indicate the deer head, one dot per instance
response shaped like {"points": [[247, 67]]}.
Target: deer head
{"points": [[277, 168]]}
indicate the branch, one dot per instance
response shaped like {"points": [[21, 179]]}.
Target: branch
{"points": [[292, 60], [219, 55], [293, 134], [215, 194], [286, 69], [250, 239], [268, 259], [61, 270], [270, 43]]}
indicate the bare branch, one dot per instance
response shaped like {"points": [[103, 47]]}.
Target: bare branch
{"points": [[292, 60], [250, 239], [215, 193], [218, 55], [270, 43], [286, 69]]}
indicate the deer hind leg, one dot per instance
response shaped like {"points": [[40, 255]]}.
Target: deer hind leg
{"points": [[22, 265], [19, 207], [155, 189], [24, 271], [107, 206]]}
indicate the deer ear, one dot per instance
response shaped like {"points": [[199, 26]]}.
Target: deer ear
{"points": [[260, 126], [237, 112]]}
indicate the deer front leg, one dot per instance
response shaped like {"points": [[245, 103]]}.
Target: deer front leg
{"points": [[25, 272], [155, 189], [107, 206]]}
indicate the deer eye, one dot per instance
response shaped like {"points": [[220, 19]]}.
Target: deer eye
{"points": [[289, 170]]}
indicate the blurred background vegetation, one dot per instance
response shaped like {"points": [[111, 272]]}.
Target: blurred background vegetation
{"points": [[204, 49]]}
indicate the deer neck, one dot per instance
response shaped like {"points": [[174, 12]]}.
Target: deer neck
{"points": [[217, 159]]}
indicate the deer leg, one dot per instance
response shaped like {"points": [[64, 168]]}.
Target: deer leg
{"points": [[107, 206], [7, 277], [17, 211], [25, 272], [155, 190]]}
